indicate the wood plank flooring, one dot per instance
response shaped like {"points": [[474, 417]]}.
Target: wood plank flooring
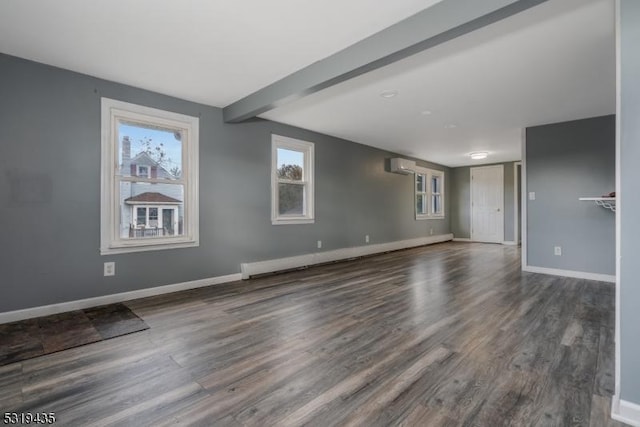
{"points": [[452, 334]]}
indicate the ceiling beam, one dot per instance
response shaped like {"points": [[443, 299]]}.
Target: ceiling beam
{"points": [[435, 25]]}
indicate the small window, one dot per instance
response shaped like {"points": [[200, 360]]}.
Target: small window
{"points": [[292, 181], [149, 198], [141, 217], [429, 194], [143, 171]]}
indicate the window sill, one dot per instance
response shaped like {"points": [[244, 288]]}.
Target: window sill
{"points": [[151, 246], [288, 221], [423, 217]]}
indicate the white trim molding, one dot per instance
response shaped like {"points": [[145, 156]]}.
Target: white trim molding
{"points": [[624, 411], [570, 273], [517, 205], [427, 194], [46, 310], [270, 266], [306, 182], [523, 198], [114, 113], [465, 239], [619, 198]]}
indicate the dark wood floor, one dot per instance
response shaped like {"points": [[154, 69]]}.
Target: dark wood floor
{"points": [[445, 335]]}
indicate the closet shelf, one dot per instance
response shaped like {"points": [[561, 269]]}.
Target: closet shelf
{"points": [[605, 202]]}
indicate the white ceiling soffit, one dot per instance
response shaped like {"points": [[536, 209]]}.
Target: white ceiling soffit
{"points": [[209, 51], [551, 63]]}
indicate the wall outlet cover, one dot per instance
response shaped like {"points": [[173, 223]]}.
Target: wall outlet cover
{"points": [[110, 268]]}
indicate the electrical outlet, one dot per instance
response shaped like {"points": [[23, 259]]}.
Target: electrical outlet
{"points": [[532, 195], [431, 231], [110, 268], [366, 238], [319, 244], [557, 250]]}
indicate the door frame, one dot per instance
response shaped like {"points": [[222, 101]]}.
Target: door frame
{"points": [[471, 234], [517, 202]]}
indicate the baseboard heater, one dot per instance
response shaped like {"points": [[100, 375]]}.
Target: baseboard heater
{"points": [[281, 264]]}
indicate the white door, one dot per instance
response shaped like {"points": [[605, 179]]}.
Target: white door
{"points": [[487, 204]]}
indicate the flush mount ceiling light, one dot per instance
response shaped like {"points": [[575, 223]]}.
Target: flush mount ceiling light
{"points": [[388, 93], [425, 112], [450, 126], [479, 155]]}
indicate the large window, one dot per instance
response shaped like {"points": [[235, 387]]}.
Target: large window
{"points": [[291, 181], [429, 197], [149, 178]]}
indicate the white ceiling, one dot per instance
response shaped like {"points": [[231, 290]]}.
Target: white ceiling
{"points": [[209, 51], [551, 63]]}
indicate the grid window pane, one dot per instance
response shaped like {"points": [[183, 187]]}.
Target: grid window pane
{"points": [[153, 217], [149, 152], [290, 199], [290, 164], [436, 203], [159, 208], [141, 216], [420, 181], [435, 184], [421, 204]]}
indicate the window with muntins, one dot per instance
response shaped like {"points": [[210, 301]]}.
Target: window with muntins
{"points": [[149, 178], [429, 193], [291, 181]]}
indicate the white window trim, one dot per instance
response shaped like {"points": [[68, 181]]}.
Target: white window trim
{"points": [[307, 148], [110, 241], [429, 173]]}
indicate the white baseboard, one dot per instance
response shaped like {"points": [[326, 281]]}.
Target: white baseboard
{"points": [[466, 239], [624, 411], [570, 273], [260, 267], [46, 310]]}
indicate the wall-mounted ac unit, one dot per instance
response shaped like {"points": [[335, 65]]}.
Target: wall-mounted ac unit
{"points": [[402, 166]]}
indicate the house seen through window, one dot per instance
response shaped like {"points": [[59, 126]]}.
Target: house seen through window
{"points": [[151, 195]]}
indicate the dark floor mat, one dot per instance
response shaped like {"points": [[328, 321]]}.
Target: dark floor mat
{"points": [[44, 335]]}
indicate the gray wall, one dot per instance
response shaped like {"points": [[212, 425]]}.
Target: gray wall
{"points": [[461, 201], [629, 132], [50, 193], [565, 161]]}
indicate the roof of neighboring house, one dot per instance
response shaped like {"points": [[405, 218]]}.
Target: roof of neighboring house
{"points": [[151, 197]]}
